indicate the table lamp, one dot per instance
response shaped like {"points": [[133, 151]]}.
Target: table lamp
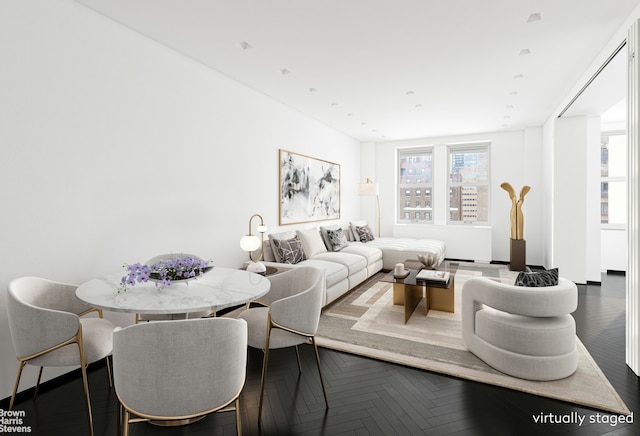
{"points": [[251, 243]]}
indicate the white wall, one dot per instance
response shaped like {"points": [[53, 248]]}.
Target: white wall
{"points": [[116, 148], [515, 158]]}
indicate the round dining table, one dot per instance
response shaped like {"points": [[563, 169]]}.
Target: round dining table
{"points": [[216, 289]]}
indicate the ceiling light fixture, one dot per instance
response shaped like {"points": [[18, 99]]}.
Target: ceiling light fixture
{"points": [[284, 72], [518, 76], [244, 45], [349, 114], [513, 93], [334, 104], [418, 106], [524, 52], [313, 90], [409, 93], [534, 17], [509, 106]]}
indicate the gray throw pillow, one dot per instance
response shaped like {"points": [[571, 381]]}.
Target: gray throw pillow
{"points": [[337, 238], [364, 233], [538, 279], [289, 250]]}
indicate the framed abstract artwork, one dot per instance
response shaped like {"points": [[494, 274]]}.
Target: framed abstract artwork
{"points": [[309, 189]]}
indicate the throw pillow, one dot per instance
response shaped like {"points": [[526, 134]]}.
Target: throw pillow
{"points": [[289, 250], [337, 239], [311, 242], [538, 279], [283, 235], [354, 231], [364, 233]]}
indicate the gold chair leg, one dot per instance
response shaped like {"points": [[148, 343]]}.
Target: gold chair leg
{"points": [[265, 363], [37, 387], [126, 423], [109, 372], [324, 391], [85, 379], [238, 419], [298, 357], [21, 366]]}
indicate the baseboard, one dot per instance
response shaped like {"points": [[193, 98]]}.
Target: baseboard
{"points": [[616, 272]]}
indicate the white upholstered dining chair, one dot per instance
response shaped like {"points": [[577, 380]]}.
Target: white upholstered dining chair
{"points": [[47, 330], [290, 319], [179, 370]]}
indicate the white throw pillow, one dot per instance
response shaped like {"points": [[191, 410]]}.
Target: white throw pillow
{"points": [[354, 232], [311, 242]]}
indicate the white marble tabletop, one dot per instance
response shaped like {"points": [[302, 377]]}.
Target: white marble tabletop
{"points": [[217, 289]]}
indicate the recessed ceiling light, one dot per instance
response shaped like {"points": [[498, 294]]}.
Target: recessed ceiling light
{"points": [[409, 92], [418, 106], [334, 104], [505, 125], [534, 17], [524, 52], [244, 45], [284, 72], [513, 93], [349, 114], [509, 106], [313, 90], [506, 117], [374, 131], [363, 124], [518, 76]]}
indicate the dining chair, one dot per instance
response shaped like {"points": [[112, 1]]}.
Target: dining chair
{"points": [[168, 371], [290, 319], [47, 330]]}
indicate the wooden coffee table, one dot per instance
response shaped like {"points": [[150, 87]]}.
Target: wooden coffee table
{"points": [[409, 292]]}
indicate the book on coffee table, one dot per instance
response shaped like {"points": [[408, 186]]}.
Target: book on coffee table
{"points": [[433, 276]]}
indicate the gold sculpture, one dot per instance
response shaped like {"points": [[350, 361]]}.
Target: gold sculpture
{"points": [[517, 218]]}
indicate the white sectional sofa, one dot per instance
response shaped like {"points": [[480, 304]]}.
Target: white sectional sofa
{"points": [[345, 261]]}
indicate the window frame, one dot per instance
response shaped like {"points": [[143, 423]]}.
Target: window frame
{"points": [[404, 185], [478, 147]]}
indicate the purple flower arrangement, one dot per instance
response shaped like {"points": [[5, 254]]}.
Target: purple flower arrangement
{"points": [[165, 271]]}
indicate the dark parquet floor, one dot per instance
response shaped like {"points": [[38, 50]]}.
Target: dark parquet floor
{"points": [[369, 397]]}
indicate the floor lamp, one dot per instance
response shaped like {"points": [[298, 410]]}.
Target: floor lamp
{"points": [[370, 188]]}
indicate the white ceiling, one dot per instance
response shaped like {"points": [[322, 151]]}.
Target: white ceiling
{"points": [[380, 70]]}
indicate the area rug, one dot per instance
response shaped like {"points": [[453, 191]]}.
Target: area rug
{"points": [[366, 322]]}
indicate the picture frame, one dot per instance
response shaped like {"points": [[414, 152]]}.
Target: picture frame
{"points": [[309, 188]]}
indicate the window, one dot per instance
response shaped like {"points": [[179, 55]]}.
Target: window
{"points": [[469, 183], [613, 174], [415, 177]]}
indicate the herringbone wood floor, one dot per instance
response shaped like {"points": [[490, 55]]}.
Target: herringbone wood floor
{"points": [[369, 397]]}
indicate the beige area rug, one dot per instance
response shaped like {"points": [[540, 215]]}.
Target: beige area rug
{"points": [[367, 323]]}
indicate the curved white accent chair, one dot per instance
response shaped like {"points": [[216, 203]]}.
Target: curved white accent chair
{"points": [[179, 370], [290, 319], [46, 329], [525, 332]]}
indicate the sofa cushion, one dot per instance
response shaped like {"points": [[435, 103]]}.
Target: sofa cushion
{"points": [[353, 262], [334, 272], [372, 254], [311, 242], [289, 250]]}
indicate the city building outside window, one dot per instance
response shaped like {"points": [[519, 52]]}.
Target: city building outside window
{"points": [[469, 183], [415, 184], [613, 179]]}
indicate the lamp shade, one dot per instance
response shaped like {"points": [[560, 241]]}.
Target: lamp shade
{"points": [[368, 188], [250, 243]]}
